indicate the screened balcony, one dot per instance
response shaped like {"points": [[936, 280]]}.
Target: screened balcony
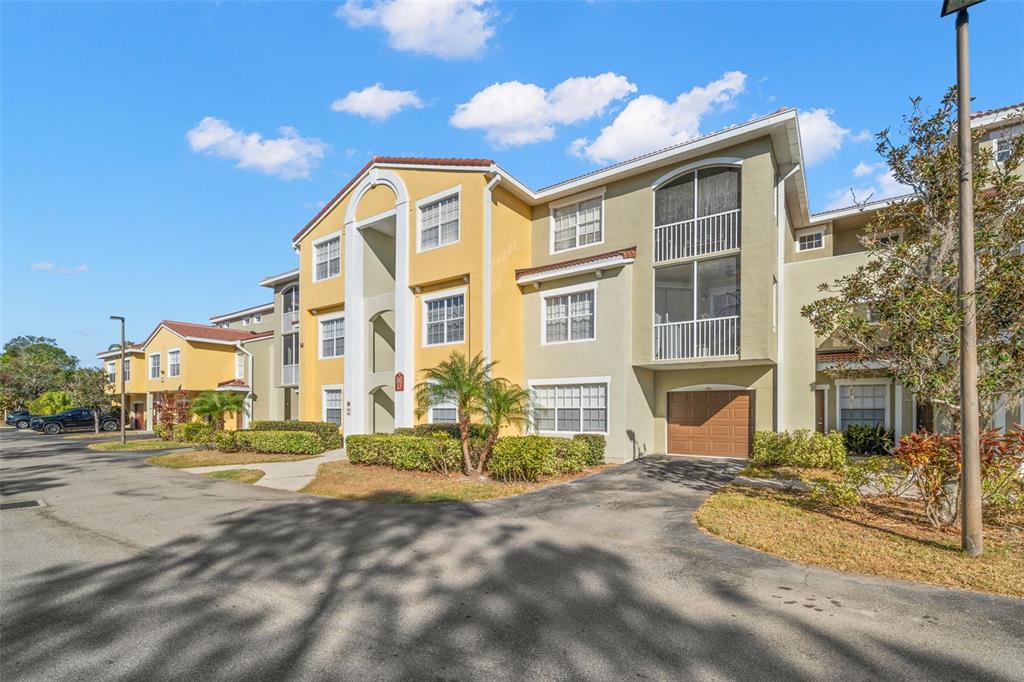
{"points": [[290, 360], [696, 309], [290, 316], [697, 214]]}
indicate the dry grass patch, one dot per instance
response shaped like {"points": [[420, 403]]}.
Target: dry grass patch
{"points": [[93, 434], [210, 458], [886, 537], [386, 485], [787, 473], [134, 445], [240, 475]]}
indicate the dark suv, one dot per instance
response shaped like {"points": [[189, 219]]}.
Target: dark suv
{"points": [[19, 419], [78, 418]]}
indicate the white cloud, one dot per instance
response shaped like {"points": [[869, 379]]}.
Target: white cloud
{"points": [[879, 184], [515, 113], [48, 266], [863, 136], [648, 122], [862, 169], [289, 156], [377, 103], [820, 135], [449, 29], [43, 265]]}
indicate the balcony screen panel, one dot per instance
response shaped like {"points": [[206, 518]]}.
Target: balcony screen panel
{"points": [[718, 287], [718, 190], [291, 349], [673, 294], [674, 201]]}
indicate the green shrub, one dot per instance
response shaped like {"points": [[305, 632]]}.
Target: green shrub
{"points": [[867, 440], [162, 432], [277, 442], [225, 441], [475, 430], [526, 458], [329, 434], [193, 432], [50, 402], [416, 453], [595, 447], [835, 493], [801, 448]]}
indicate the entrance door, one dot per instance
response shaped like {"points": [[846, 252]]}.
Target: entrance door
{"points": [[138, 416], [710, 423], [819, 411]]}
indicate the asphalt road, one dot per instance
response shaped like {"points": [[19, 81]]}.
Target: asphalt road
{"points": [[134, 572]]}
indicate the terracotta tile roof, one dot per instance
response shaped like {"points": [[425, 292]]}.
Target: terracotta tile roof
{"points": [[986, 112], [240, 383], [404, 160], [836, 355], [259, 335], [206, 331], [624, 253]]}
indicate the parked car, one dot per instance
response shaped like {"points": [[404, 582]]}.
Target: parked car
{"points": [[19, 419], [78, 418]]}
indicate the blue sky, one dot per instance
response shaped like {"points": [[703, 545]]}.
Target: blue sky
{"points": [[110, 205]]}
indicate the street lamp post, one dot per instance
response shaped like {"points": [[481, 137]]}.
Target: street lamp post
{"points": [[121, 319], [970, 459]]}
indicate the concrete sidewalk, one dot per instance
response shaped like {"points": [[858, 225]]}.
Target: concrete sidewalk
{"points": [[280, 475]]}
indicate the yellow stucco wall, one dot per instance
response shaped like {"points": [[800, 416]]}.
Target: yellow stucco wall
{"points": [[203, 365]]}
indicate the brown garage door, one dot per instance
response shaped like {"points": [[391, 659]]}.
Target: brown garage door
{"points": [[710, 423]]}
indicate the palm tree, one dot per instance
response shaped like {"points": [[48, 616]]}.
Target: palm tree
{"points": [[505, 404], [460, 382], [215, 404]]}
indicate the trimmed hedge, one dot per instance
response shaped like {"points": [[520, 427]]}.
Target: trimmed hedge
{"points": [[525, 458], [417, 453], [329, 434], [800, 448], [861, 439], [475, 430], [595, 447], [193, 432], [270, 442]]}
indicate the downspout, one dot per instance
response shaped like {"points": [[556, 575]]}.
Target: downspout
{"points": [[248, 396], [488, 242], [780, 305]]}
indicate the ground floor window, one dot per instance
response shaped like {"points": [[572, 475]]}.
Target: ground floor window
{"points": [[445, 413], [572, 408], [862, 404], [332, 405]]}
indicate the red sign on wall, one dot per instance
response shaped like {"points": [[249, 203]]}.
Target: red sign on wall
{"points": [[399, 382]]}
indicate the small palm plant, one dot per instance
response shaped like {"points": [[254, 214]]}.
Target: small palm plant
{"points": [[505, 404], [213, 405], [459, 381]]}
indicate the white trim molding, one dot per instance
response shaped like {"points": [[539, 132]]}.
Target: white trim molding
{"points": [[696, 388], [696, 165], [613, 261]]}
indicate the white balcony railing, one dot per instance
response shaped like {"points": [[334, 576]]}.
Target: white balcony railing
{"points": [[289, 375], [289, 320], [697, 236], [697, 338]]}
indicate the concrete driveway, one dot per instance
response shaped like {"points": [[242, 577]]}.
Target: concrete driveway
{"points": [[134, 572]]}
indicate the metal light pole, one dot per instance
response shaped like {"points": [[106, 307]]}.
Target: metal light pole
{"points": [[121, 319], [970, 458]]}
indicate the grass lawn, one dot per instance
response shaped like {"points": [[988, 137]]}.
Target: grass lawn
{"points": [[93, 434], [384, 484], [135, 445], [209, 458], [240, 475], [887, 537], [783, 473]]}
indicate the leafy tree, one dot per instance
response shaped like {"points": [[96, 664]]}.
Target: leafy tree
{"points": [[910, 284], [88, 388], [213, 405], [504, 404], [459, 381], [50, 402], [32, 365]]}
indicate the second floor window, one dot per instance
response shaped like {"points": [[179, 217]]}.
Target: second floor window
{"points": [[332, 338], [698, 290], [126, 370], [174, 363], [290, 349], [569, 317], [239, 365], [111, 372], [154, 366], [327, 258], [445, 320], [439, 222], [1003, 148], [577, 225], [810, 241]]}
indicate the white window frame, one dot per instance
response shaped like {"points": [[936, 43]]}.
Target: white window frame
{"points": [[565, 291], [426, 201], [874, 381], [149, 366], [126, 370], [245, 321], [806, 232], [323, 401], [239, 364], [258, 317], [312, 256], [577, 381], [443, 406], [447, 293], [320, 319], [169, 351], [111, 371], [568, 201]]}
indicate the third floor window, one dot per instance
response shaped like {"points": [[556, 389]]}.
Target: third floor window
{"points": [[327, 258], [578, 224], [439, 222]]}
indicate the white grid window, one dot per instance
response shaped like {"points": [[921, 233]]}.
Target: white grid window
{"points": [[1003, 145], [811, 241], [577, 224], [257, 318], [332, 338], [576, 408], [111, 372], [569, 317], [126, 370], [439, 223], [445, 413], [862, 404], [154, 366], [446, 320], [327, 258], [174, 363], [332, 405], [239, 365]]}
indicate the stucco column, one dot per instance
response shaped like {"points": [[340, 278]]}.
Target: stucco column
{"points": [[353, 393], [405, 335]]}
